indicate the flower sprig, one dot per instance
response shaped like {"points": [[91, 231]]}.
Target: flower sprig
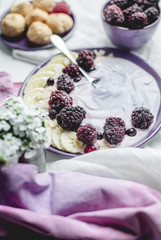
{"points": [[22, 129]]}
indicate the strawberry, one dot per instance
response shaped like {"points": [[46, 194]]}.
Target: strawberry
{"points": [[61, 7]]}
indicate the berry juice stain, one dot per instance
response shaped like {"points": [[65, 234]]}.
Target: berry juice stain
{"points": [[131, 132]]}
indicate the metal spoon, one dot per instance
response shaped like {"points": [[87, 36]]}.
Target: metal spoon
{"points": [[60, 44]]}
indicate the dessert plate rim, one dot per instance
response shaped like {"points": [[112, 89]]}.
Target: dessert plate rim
{"points": [[122, 53]]}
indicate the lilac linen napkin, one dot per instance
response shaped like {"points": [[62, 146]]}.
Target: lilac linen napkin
{"points": [[7, 87], [76, 206]]}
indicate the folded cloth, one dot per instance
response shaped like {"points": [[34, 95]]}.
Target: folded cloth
{"points": [[76, 206], [7, 87], [134, 164], [34, 57]]}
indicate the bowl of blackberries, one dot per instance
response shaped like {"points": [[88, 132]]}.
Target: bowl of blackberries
{"points": [[130, 23]]}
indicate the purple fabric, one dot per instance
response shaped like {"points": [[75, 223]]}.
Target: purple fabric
{"points": [[7, 87], [76, 206]]}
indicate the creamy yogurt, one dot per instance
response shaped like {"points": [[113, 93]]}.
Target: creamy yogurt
{"points": [[123, 86]]}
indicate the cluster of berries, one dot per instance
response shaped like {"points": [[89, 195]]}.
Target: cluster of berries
{"points": [[132, 14], [71, 72]]}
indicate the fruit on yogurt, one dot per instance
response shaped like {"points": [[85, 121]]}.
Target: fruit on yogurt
{"points": [[59, 100], [86, 59], [65, 83], [70, 118], [87, 134], [142, 118], [89, 148], [114, 130], [73, 71]]}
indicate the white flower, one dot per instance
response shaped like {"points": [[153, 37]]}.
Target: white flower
{"points": [[21, 129], [4, 126]]}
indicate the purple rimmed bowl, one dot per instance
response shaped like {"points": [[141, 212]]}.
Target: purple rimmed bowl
{"points": [[131, 39], [118, 53]]}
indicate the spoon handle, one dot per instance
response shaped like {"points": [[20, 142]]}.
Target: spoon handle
{"points": [[59, 43]]}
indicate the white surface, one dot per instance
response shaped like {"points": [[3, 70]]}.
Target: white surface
{"points": [[142, 165]]}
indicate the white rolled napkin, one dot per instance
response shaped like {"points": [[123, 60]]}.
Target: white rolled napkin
{"points": [[34, 57]]}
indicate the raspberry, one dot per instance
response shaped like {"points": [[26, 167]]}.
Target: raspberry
{"points": [[152, 14], [59, 100], [89, 149], [138, 20], [65, 83], [120, 3], [114, 130], [61, 7], [132, 9], [73, 71], [141, 118], [87, 134], [86, 59], [114, 15], [70, 118], [52, 113], [50, 82]]}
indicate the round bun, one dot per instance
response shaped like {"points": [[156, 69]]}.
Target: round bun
{"points": [[22, 8], [46, 5], [59, 22], [36, 15], [39, 33], [13, 25]]}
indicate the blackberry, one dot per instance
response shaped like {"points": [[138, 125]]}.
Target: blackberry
{"points": [[152, 14], [150, 3], [52, 113], [114, 15], [50, 81], [114, 130], [87, 134], [73, 71], [86, 59], [90, 148], [120, 3], [132, 9], [65, 83], [141, 118], [59, 100], [70, 118], [138, 20]]}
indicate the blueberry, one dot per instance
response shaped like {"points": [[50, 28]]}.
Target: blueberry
{"points": [[50, 81]]}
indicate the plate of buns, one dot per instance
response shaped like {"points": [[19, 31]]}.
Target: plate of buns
{"points": [[29, 25]]}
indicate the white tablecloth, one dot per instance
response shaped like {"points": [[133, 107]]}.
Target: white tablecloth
{"points": [[142, 165]]}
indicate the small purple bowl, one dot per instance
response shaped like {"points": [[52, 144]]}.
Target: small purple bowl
{"points": [[131, 39]]}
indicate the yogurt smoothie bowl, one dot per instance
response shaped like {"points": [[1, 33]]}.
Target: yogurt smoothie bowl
{"points": [[119, 112]]}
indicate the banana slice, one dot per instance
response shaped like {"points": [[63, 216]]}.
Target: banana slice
{"points": [[51, 123], [33, 96], [102, 144], [70, 143], [55, 139]]}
